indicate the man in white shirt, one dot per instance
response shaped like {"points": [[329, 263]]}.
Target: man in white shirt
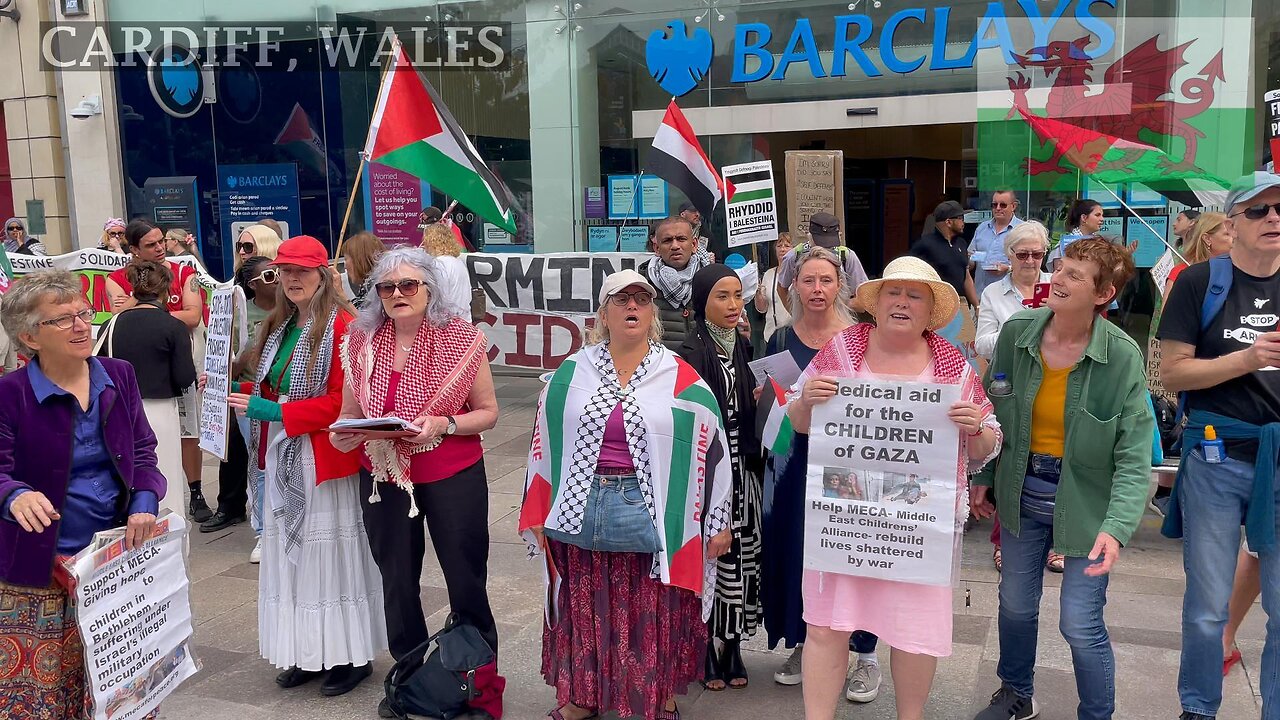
{"points": [[990, 263]]}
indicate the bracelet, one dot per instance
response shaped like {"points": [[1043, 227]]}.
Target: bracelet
{"points": [[980, 429]]}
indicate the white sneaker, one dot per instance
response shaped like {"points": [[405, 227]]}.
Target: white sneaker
{"points": [[789, 673], [864, 683], [255, 555]]}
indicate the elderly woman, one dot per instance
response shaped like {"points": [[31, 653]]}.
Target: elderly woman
{"points": [[909, 304], [54, 501], [627, 497], [319, 592], [409, 358], [17, 241], [1212, 234], [112, 239], [720, 354], [256, 240], [1073, 471], [455, 284], [359, 254], [158, 346], [768, 300]]}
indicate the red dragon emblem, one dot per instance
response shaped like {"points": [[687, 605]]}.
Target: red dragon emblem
{"points": [[1136, 95]]}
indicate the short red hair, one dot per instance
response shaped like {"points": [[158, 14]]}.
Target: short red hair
{"points": [[1115, 263]]}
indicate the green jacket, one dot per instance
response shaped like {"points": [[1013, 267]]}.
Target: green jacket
{"points": [[1107, 453]]}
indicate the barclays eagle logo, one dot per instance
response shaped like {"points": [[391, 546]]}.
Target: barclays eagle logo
{"points": [[678, 62], [232, 181]]}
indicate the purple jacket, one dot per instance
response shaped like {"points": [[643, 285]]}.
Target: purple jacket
{"points": [[35, 452]]}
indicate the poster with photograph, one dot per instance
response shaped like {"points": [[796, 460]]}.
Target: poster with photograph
{"points": [[881, 485]]}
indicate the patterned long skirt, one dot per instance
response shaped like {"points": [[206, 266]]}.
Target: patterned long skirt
{"points": [[625, 643], [736, 611], [41, 657]]}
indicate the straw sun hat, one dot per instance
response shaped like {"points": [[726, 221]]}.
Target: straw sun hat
{"points": [[913, 269]]}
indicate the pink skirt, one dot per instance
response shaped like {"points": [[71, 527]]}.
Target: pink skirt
{"points": [[911, 618]]}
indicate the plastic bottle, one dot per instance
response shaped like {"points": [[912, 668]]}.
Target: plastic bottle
{"points": [[1211, 446], [1000, 386]]}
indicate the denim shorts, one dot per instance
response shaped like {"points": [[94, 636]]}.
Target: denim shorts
{"points": [[615, 519]]}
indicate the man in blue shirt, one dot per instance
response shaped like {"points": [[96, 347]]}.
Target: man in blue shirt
{"points": [[990, 264]]}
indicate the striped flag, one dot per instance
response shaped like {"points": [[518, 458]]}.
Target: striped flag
{"points": [[6, 270], [772, 423], [676, 157]]}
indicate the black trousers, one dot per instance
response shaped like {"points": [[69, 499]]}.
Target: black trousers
{"points": [[456, 511], [233, 473]]}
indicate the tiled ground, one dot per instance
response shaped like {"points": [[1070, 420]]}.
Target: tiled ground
{"points": [[1144, 606]]}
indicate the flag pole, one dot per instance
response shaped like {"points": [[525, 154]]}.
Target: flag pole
{"points": [[635, 192], [351, 197], [1143, 220]]}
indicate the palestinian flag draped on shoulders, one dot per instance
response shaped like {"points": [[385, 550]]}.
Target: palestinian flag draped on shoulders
{"points": [[772, 423], [414, 132]]}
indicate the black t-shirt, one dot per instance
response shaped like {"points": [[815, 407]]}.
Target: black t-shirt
{"points": [[950, 259], [158, 345], [1250, 309]]}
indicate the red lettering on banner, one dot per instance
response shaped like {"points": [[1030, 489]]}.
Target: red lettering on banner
{"points": [[95, 291], [492, 321], [535, 449], [704, 444], [521, 323], [551, 322]]}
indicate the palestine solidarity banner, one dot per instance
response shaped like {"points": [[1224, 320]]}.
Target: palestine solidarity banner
{"points": [[881, 491]]}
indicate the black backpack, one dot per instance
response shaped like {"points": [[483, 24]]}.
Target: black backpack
{"points": [[1168, 423], [438, 678]]}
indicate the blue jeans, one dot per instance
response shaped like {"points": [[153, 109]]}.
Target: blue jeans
{"points": [[1082, 600], [615, 518], [1214, 499]]}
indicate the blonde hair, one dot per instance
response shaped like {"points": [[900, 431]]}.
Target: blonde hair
{"points": [[1196, 250], [359, 254], [439, 240], [265, 242], [600, 331], [844, 293]]}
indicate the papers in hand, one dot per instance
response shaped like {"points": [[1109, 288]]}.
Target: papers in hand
{"points": [[379, 426], [779, 366]]}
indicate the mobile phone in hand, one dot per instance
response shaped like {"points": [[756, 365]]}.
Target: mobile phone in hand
{"points": [[1039, 297]]}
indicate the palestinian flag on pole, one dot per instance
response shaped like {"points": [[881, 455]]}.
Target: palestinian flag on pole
{"points": [[414, 132], [772, 424], [677, 157]]}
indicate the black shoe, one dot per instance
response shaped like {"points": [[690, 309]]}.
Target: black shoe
{"points": [[1194, 716], [384, 709], [293, 677], [343, 679], [221, 520], [199, 510], [1008, 705]]}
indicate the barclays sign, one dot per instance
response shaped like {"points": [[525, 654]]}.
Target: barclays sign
{"points": [[678, 61]]}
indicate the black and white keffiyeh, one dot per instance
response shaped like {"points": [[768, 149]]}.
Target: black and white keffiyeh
{"points": [[677, 285]]}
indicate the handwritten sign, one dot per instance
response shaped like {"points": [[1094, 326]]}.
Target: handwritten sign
{"points": [[815, 183], [881, 487], [214, 414]]}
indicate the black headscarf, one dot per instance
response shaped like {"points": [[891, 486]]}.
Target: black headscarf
{"points": [[701, 351]]}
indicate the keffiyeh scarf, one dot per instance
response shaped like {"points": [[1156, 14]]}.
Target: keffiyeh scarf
{"points": [[437, 380], [307, 379], [677, 285]]}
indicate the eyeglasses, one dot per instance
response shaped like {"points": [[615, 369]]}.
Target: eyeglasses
{"points": [[245, 247], [116, 234], [623, 299], [407, 288], [268, 276], [1025, 255], [66, 322], [1259, 211], [1000, 205]]}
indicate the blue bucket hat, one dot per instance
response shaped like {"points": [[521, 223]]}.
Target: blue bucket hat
{"points": [[1249, 187]]}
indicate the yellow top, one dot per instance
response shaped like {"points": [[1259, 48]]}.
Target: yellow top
{"points": [[1209, 433], [1048, 424]]}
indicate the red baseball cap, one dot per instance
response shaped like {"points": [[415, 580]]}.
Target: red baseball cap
{"points": [[303, 251]]}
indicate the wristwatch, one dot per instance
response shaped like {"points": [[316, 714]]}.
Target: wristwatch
{"points": [[452, 427]]}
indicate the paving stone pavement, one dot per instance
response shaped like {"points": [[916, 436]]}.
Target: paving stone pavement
{"points": [[1143, 612]]}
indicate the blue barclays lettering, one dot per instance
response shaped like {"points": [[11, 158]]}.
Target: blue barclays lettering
{"points": [[888, 55], [802, 34]]}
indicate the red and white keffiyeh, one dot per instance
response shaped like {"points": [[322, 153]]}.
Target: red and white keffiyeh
{"points": [[437, 380]]}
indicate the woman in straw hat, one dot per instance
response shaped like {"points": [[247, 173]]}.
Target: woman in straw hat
{"points": [[909, 303]]}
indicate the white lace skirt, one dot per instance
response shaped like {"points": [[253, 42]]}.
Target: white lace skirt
{"points": [[162, 415], [324, 608]]}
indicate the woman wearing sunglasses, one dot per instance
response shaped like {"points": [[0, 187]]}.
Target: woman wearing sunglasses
{"points": [[112, 239], [256, 240], [319, 593], [407, 356]]}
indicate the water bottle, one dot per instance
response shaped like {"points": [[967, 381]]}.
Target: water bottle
{"points": [[1000, 386], [1211, 446]]}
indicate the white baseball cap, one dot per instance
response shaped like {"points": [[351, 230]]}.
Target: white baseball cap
{"points": [[622, 279]]}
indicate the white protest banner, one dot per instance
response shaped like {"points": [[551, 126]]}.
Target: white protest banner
{"points": [[881, 488], [540, 307], [134, 614], [214, 413], [750, 204]]}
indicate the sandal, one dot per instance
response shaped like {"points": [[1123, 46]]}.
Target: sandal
{"points": [[557, 714], [998, 560], [732, 667], [665, 714], [712, 672], [1233, 659], [1057, 562]]}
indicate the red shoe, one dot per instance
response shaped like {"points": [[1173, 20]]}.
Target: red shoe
{"points": [[1232, 660]]}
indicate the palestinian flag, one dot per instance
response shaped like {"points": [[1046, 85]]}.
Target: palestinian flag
{"points": [[6, 271], [414, 132], [772, 424], [747, 183], [677, 157]]}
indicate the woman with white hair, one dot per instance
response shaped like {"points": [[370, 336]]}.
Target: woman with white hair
{"points": [[408, 356], [1026, 245]]}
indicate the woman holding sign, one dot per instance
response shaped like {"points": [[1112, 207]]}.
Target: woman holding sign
{"points": [[720, 355], [319, 591], [909, 304], [52, 501]]}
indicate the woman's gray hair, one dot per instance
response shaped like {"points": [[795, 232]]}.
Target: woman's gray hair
{"points": [[371, 316], [844, 293], [1022, 232], [20, 306]]}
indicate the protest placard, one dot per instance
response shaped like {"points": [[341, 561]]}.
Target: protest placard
{"points": [[881, 489], [214, 414], [750, 204], [815, 183], [133, 609]]}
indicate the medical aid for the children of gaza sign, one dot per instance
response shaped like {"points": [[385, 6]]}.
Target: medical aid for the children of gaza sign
{"points": [[540, 307], [881, 490]]}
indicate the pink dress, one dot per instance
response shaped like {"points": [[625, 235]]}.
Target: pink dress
{"points": [[912, 618]]}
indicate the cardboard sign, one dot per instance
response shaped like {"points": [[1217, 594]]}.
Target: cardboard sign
{"points": [[815, 183], [225, 305], [750, 207]]}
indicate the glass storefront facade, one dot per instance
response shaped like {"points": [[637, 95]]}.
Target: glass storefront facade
{"points": [[916, 96]]}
